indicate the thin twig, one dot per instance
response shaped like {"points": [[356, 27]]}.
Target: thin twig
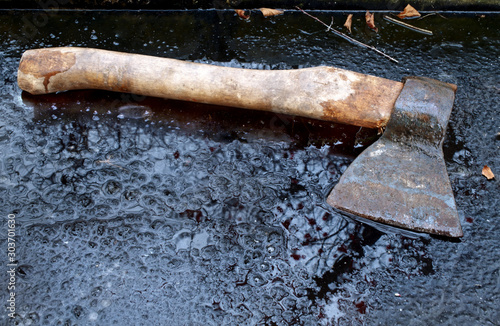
{"points": [[108, 161], [411, 27], [330, 27], [348, 38], [431, 14]]}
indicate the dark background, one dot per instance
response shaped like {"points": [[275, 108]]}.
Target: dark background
{"points": [[135, 210], [462, 5]]}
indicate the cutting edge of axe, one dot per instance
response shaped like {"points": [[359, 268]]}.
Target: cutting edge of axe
{"points": [[415, 114]]}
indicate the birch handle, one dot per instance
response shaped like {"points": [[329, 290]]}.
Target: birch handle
{"points": [[324, 93]]}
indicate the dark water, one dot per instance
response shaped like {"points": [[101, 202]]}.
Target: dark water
{"points": [[133, 210]]}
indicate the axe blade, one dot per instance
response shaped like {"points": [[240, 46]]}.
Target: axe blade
{"points": [[401, 180]]}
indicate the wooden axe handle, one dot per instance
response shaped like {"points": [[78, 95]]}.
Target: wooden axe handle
{"points": [[324, 93]]}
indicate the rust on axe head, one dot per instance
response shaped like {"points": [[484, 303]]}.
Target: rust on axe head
{"points": [[401, 179]]}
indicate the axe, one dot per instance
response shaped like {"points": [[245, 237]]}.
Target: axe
{"points": [[400, 180]]}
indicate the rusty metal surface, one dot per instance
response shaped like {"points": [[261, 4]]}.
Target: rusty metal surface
{"points": [[401, 180]]}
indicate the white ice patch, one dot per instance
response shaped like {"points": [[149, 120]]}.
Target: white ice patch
{"points": [[379, 150]]}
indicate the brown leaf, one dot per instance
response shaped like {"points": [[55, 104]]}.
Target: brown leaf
{"points": [[409, 12], [370, 21], [242, 13], [270, 12], [488, 173], [348, 23]]}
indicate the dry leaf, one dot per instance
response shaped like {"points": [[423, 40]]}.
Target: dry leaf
{"points": [[370, 21], [270, 12], [348, 23], [242, 13], [488, 173], [409, 12]]}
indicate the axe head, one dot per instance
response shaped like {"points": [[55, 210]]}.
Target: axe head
{"points": [[401, 179]]}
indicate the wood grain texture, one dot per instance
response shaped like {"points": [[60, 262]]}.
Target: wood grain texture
{"points": [[324, 93]]}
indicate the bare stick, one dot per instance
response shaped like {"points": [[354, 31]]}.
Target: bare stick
{"points": [[108, 161], [348, 38], [432, 14], [330, 27], [411, 27]]}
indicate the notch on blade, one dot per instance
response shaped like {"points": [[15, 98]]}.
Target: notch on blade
{"points": [[401, 179]]}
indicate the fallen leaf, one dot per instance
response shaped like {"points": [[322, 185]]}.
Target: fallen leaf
{"points": [[409, 12], [348, 23], [488, 173], [241, 13], [271, 12], [370, 21]]}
